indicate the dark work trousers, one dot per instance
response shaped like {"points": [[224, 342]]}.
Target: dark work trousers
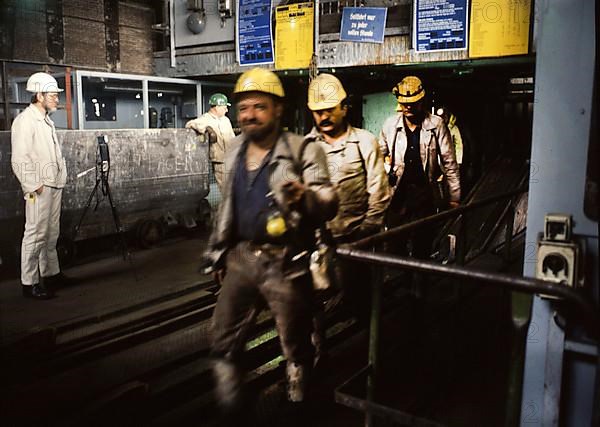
{"points": [[255, 274], [409, 203]]}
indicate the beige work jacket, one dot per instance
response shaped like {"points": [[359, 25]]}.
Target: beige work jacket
{"points": [[36, 157], [434, 134], [223, 129], [357, 172]]}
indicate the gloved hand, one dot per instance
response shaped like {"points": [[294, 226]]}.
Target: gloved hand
{"points": [[210, 135], [293, 192], [192, 125]]}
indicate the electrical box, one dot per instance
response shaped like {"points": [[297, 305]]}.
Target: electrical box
{"points": [[225, 8], [557, 262], [557, 227], [558, 255], [203, 22]]}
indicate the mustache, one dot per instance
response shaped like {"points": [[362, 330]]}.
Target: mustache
{"points": [[250, 122], [325, 122]]}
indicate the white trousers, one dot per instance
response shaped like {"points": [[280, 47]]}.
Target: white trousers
{"points": [[42, 226]]}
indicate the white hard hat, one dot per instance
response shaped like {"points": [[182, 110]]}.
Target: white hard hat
{"points": [[42, 82]]}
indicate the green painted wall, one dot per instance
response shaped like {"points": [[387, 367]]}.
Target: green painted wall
{"points": [[376, 108]]}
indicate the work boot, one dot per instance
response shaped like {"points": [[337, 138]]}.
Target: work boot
{"points": [[297, 381], [37, 291], [58, 280], [228, 386]]}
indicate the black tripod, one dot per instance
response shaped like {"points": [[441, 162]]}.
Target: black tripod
{"points": [[102, 173]]}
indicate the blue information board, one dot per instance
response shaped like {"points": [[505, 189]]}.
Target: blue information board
{"points": [[363, 24], [440, 25], [254, 36]]}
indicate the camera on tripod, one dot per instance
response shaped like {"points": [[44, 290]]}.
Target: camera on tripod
{"points": [[103, 155], [102, 169]]}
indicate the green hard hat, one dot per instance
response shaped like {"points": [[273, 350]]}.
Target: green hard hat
{"points": [[218, 99]]}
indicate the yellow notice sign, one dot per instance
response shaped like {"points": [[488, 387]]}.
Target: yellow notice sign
{"points": [[499, 27], [294, 35]]}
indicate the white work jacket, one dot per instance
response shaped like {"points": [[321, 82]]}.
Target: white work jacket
{"points": [[223, 129], [36, 157]]}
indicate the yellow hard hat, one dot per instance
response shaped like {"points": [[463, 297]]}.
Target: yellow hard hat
{"points": [[325, 91], [409, 89], [259, 80]]}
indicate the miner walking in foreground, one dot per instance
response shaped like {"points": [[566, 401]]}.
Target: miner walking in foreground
{"points": [[357, 171], [276, 193]]}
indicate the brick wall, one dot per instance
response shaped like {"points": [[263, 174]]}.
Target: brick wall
{"points": [[74, 32], [136, 39]]}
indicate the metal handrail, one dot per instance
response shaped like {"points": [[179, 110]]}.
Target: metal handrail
{"points": [[590, 313], [396, 231]]}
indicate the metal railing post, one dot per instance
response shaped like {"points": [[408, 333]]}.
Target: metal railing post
{"points": [[510, 220], [376, 289], [520, 314], [462, 240]]}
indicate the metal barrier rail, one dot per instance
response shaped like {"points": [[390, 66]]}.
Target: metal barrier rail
{"points": [[591, 314], [396, 231]]}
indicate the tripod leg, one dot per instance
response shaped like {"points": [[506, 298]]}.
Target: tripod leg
{"points": [[85, 209], [126, 254], [113, 208]]}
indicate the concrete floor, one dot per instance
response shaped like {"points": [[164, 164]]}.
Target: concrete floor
{"points": [[104, 285]]}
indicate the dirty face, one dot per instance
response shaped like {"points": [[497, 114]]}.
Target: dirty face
{"points": [[331, 121], [258, 114], [413, 111]]}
